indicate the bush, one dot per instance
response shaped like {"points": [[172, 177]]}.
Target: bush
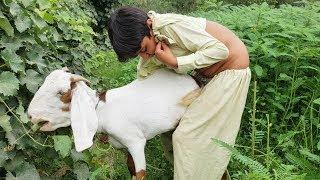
{"points": [[282, 111], [37, 37]]}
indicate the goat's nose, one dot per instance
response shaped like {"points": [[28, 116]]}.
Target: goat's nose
{"points": [[29, 116]]}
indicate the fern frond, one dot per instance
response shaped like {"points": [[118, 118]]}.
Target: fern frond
{"points": [[255, 166], [312, 157]]}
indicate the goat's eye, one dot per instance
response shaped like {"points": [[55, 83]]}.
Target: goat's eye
{"points": [[60, 93]]}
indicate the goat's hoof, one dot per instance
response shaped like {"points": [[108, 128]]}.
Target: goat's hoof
{"points": [[141, 175]]}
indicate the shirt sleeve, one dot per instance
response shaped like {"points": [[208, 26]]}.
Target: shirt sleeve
{"points": [[147, 67], [204, 49]]}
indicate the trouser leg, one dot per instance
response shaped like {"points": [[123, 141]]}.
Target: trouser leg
{"points": [[216, 113]]}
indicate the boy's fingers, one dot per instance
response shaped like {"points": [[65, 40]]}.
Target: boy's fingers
{"points": [[164, 46], [158, 48]]}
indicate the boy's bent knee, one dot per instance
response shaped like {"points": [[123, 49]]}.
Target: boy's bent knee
{"points": [[177, 136]]}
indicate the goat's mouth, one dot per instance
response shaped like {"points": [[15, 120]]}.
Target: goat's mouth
{"points": [[44, 125]]}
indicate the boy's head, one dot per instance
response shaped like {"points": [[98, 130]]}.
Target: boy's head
{"points": [[130, 33]]}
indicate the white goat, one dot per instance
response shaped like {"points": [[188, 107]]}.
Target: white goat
{"points": [[130, 115]]}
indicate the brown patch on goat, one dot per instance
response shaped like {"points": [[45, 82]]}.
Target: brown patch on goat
{"points": [[130, 165], [103, 138], [66, 97], [102, 96], [141, 175], [72, 83], [67, 108]]}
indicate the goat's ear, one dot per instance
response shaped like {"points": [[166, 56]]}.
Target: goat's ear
{"points": [[77, 78], [65, 69], [84, 120]]}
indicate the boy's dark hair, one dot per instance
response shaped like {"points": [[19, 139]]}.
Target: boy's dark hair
{"points": [[126, 29]]}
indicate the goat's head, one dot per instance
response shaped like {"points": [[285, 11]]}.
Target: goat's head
{"points": [[64, 99]]}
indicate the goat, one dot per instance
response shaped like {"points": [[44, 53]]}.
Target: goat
{"points": [[130, 115]]}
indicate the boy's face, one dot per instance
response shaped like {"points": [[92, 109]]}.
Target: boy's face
{"points": [[148, 44], [148, 47]]}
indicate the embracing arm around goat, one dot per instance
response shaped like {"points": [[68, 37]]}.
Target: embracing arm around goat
{"points": [[207, 50]]}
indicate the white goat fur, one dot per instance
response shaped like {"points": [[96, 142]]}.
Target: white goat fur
{"points": [[131, 114]]}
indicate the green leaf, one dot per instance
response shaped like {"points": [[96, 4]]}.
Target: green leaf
{"points": [[76, 156], [40, 23], [15, 163], [81, 170], [284, 77], [9, 176], [13, 60], [12, 44], [27, 171], [317, 101], [32, 80], [258, 69], [5, 123], [309, 155], [44, 4], [286, 140], [62, 144], [9, 84], [35, 56], [5, 25], [3, 157], [22, 23], [15, 9], [318, 145], [23, 116], [26, 3]]}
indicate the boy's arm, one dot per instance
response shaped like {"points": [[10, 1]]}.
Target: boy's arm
{"points": [[205, 49]]}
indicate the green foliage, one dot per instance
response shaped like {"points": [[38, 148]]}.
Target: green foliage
{"points": [[81, 170], [9, 84], [62, 143], [37, 36], [160, 6], [105, 70], [283, 117]]}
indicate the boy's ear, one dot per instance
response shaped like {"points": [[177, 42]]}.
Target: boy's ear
{"points": [[149, 23]]}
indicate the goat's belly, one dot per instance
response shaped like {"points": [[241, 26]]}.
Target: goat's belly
{"points": [[158, 123], [115, 143]]}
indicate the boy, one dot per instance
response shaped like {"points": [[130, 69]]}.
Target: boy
{"points": [[215, 56]]}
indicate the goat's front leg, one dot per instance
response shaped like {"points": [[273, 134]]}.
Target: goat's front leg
{"points": [[137, 152]]}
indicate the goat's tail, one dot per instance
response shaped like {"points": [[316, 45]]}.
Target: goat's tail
{"points": [[190, 97]]}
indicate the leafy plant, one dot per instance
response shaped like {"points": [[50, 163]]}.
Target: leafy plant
{"points": [[35, 38], [282, 112]]}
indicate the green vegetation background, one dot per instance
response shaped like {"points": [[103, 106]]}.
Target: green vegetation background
{"points": [[279, 136]]}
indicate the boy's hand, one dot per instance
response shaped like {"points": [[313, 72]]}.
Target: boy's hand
{"points": [[164, 54]]}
